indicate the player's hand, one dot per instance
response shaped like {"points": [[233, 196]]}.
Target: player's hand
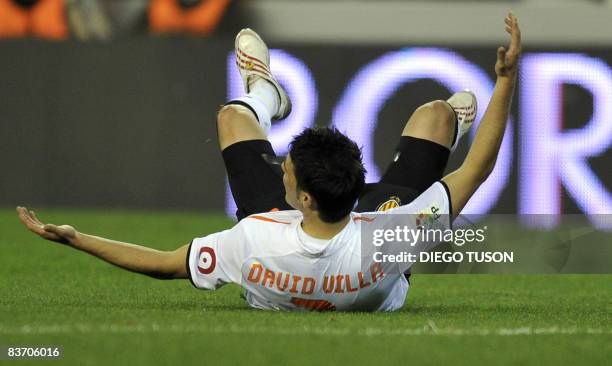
{"points": [[507, 60], [62, 234]]}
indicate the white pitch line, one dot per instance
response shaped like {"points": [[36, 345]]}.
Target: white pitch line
{"points": [[430, 329]]}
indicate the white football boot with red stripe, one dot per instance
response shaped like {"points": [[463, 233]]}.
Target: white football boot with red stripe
{"points": [[253, 60], [465, 105]]}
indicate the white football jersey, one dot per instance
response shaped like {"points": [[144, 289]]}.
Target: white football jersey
{"points": [[283, 268]]}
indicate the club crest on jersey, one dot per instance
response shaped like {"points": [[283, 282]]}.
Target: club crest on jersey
{"points": [[426, 219], [392, 202]]}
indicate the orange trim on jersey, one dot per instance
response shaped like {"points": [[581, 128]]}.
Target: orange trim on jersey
{"points": [[317, 305], [263, 218], [366, 219]]}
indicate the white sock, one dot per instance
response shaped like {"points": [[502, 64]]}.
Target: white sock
{"points": [[267, 94], [261, 111]]}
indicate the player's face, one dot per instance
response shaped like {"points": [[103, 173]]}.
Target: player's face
{"points": [[290, 183]]}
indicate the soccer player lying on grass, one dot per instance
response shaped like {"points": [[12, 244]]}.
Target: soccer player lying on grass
{"points": [[297, 244]]}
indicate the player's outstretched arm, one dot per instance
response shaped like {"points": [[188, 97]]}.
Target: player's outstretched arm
{"points": [[481, 158], [135, 258]]}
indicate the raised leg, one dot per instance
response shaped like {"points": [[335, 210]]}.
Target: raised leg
{"points": [[434, 121], [243, 125], [237, 123], [424, 148], [256, 185]]}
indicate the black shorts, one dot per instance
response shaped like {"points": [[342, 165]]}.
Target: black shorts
{"points": [[416, 165], [257, 184]]}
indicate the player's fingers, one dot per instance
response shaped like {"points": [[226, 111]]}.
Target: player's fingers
{"points": [[512, 21], [24, 216], [21, 211], [515, 42], [30, 219], [501, 54], [33, 216], [516, 32], [26, 220], [36, 219]]}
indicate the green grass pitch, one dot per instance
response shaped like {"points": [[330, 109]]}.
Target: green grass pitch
{"points": [[52, 295]]}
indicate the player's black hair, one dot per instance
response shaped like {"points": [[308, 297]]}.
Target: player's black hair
{"points": [[328, 165]]}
